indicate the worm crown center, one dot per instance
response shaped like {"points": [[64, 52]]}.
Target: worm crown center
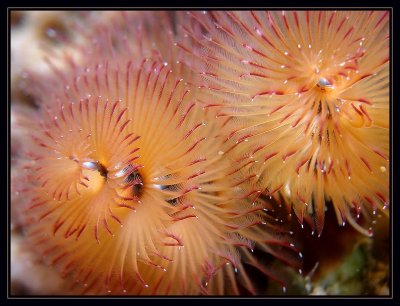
{"points": [[325, 84]]}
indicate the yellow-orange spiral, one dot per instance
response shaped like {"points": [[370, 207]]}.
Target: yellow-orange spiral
{"points": [[307, 96], [128, 192]]}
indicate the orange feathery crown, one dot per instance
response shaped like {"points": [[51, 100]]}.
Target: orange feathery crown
{"points": [[307, 95], [127, 191]]}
